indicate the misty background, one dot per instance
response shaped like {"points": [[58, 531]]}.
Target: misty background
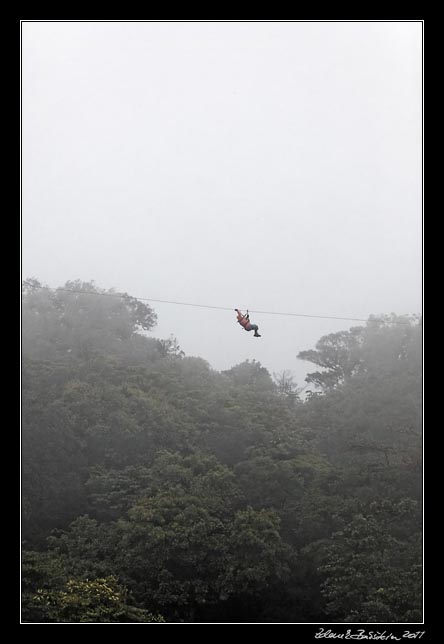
{"points": [[268, 165]]}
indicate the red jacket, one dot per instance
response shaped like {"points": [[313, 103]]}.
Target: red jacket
{"points": [[243, 320]]}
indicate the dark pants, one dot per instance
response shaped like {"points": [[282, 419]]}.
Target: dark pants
{"points": [[251, 327]]}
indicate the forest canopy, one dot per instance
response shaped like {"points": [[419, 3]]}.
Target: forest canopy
{"points": [[156, 489]]}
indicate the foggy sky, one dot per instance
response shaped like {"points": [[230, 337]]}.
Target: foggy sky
{"points": [[268, 165]]}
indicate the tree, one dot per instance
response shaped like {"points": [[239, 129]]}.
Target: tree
{"points": [[80, 319], [54, 461], [170, 347], [387, 343], [251, 374], [339, 353], [89, 601], [183, 557], [372, 567], [286, 385], [153, 483], [374, 414], [52, 594]]}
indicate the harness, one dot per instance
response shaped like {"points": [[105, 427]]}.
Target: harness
{"points": [[244, 322]]}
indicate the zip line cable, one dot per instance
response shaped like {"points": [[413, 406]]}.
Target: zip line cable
{"points": [[204, 306]]}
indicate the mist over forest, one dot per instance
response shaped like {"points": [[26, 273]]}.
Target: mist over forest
{"points": [[156, 489]]}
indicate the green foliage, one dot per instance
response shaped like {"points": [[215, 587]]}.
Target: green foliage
{"points": [[81, 320], [256, 556], [272, 481], [50, 592], [97, 600], [287, 386], [376, 416], [112, 492], [251, 374], [339, 354], [388, 344], [88, 547], [184, 552], [372, 567], [153, 485]]}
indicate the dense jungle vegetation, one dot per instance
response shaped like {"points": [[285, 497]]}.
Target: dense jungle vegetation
{"points": [[156, 489]]}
